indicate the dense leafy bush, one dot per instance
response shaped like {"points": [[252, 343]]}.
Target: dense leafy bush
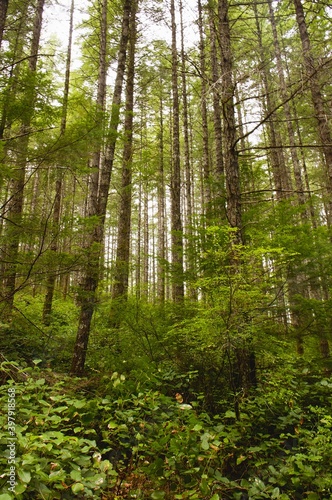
{"points": [[133, 441]]}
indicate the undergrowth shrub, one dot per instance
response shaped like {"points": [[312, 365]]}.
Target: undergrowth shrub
{"points": [[114, 438]]}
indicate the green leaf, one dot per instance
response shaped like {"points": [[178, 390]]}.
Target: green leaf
{"points": [[215, 497], [20, 488], [240, 459], [41, 381], [25, 476], [230, 414], [77, 487], [313, 496], [57, 476], [112, 425], [205, 444], [275, 493], [5, 496], [76, 475], [79, 404], [158, 495]]}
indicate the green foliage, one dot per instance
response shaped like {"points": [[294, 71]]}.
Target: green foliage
{"points": [[27, 338], [135, 442]]}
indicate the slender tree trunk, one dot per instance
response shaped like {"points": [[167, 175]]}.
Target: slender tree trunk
{"points": [[121, 275], [280, 172], [321, 114], [50, 285], [187, 194], [231, 162], [287, 110], [3, 15], [205, 130], [219, 174], [146, 242], [161, 256], [15, 205], [177, 231], [139, 240], [245, 355], [91, 273]]}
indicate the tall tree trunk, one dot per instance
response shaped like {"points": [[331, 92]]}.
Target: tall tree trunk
{"points": [[205, 130], [139, 239], [245, 367], [50, 284], [287, 110], [161, 255], [219, 174], [188, 167], [321, 114], [177, 231], [146, 242], [3, 15], [121, 275], [280, 172], [231, 162], [94, 241], [15, 205]]}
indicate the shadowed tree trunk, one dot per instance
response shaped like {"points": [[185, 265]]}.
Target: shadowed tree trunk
{"points": [[244, 365], [231, 162], [15, 205], [50, 285], [121, 274], [161, 203], [94, 240], [280, 172], [287, 110], [3, 15], [177, 232], [205, 131], [219, 174], [321, 113]]}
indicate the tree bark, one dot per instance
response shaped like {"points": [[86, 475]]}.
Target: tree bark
{"points": [[321, 114], [280, 172], [287, 110], [3, 15], [94, 241], [231, 162], [121, 275], [50, 284], [161, 254], [219, 173], [15, 205], [177, 231], [205, 130]]}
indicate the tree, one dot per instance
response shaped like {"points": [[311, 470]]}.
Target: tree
{"points": [[311, 71], [121, 273], [97, 209], [3, 14], [50, 285], [14, 209], [177, 231]]}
